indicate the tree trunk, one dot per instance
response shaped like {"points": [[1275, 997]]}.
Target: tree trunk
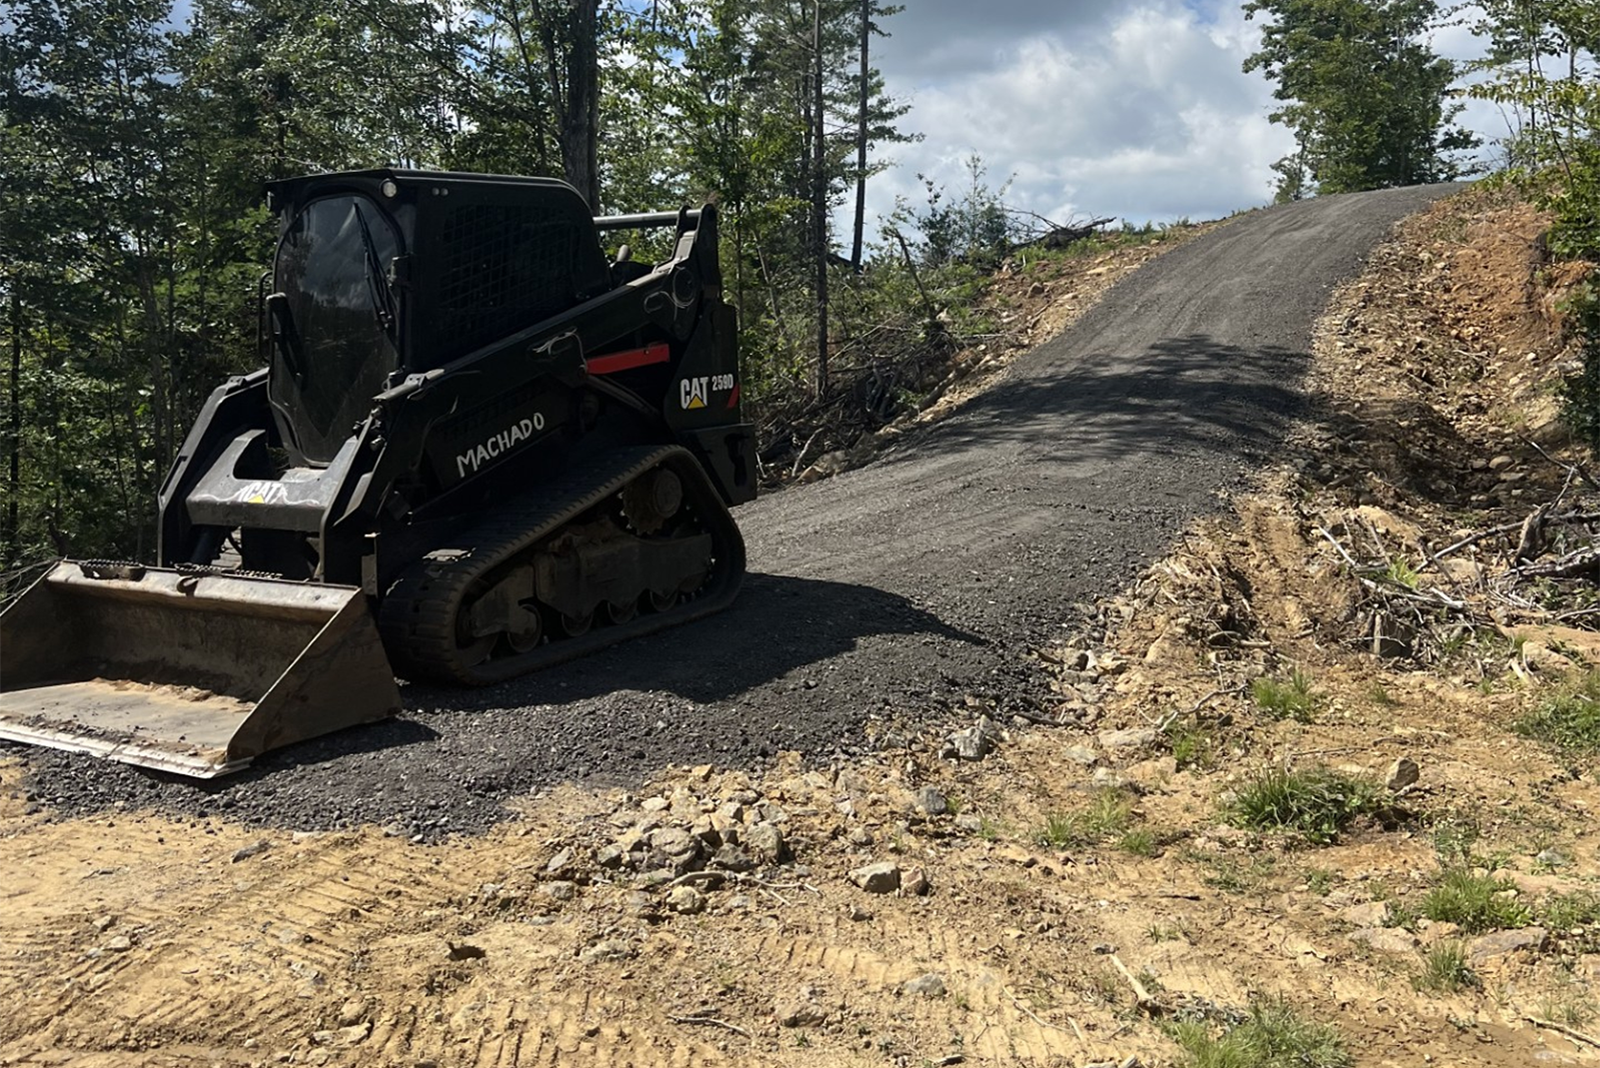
{"points": [[14, 397], [572, 58], [861, 138], [819, 199]]}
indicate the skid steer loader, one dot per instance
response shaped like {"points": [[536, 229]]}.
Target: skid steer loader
{"points": [[477, 447]]}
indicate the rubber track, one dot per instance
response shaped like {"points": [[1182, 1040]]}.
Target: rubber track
{"points": [[418, 616]]}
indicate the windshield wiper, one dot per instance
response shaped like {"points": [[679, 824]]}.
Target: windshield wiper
{"points": [[377, 286]]}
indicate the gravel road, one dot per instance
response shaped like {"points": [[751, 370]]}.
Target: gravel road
{"points": [[884, 594]]}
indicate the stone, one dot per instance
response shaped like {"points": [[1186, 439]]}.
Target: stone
{"points": [[254, 849], [1402, 773], [765, 843], [970, 822], [1153, 774], [799, 1011], [686, 900], [343, 1037], [974, 743], [881, 878], [611, 857], [929, 985], [1552, 858], [611, 949], [1106, 779], [1132, 738], [673, 840], [915, 882], [930, 801], [654, 804], [1500, 463], [561, 890], [1501, 943], [1372, 914], [857, 914], [352, 1013], [1385, 939], [862, 837], [559, 863], [1082, 754], [732, 858], [120, 944]]}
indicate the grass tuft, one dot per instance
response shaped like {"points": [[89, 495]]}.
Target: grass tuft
{"points": [[1445, 970], [1274, 1035], [1475, 903], [1108, 816], [1291, 698], [1318, 802], [1569, 719]]}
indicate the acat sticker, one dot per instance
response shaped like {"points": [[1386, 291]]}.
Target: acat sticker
{"points": [[696, 392]]}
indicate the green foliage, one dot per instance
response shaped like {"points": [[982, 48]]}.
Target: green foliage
{"points": [[1291, 698], [1108, 815], [1474, 902], [1272, 1035], [132, 231], [1445, 970], [1362, 93], [1192, 742], [1569, 719], [1317, 802]]}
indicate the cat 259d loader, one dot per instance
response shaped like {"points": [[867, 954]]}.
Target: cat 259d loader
{"points": [[477, 447]]}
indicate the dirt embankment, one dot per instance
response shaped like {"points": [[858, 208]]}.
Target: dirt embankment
{"points": [[1016, 893]]}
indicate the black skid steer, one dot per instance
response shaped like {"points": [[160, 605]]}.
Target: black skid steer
{"points": [[478, 447]]}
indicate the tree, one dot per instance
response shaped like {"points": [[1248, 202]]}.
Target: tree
{"points": [[1363, 95]]}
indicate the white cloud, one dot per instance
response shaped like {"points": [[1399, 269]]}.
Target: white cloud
{"points": [[1138, 113]]}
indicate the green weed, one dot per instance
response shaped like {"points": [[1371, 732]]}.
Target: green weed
{"points": [[1274, 1035], [1318, 802], [1291, 698], [1140, 842], [1475, 903], [1445, 970], [1569, 719], [1107, 816], [1192, 745]]}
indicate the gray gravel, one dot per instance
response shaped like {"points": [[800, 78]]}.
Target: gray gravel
{"points": [[885, 594]]}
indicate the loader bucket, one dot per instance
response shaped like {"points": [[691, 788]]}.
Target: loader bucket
{"points": [[185, 672]]}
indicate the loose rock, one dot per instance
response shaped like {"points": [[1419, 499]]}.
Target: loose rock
{"points": [[1500, 943], [1132, 738], [930, 985], [686, 900], [930, 802], [1402, 773], [883, 878]]}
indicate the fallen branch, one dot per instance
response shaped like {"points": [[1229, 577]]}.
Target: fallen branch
{"points": [[711, 1021], [1575, 1035], [1030, 1014], [1146, 1002]]}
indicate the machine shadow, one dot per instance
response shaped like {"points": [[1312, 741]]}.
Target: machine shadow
{"points": [[1188, 394], [777, 624]]}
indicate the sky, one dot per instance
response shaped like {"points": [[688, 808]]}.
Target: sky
{"points": [[1092, 108]]}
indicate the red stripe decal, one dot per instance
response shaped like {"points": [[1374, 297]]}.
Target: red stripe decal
{"points": [[733, 398], [627, 361]]}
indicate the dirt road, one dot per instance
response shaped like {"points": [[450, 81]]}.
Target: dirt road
{"points": [[889, 592]]}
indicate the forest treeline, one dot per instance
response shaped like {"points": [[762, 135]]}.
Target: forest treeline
{"points": [[133, 150]]}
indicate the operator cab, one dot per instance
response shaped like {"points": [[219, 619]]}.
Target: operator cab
{"points": [[384, 273]]}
